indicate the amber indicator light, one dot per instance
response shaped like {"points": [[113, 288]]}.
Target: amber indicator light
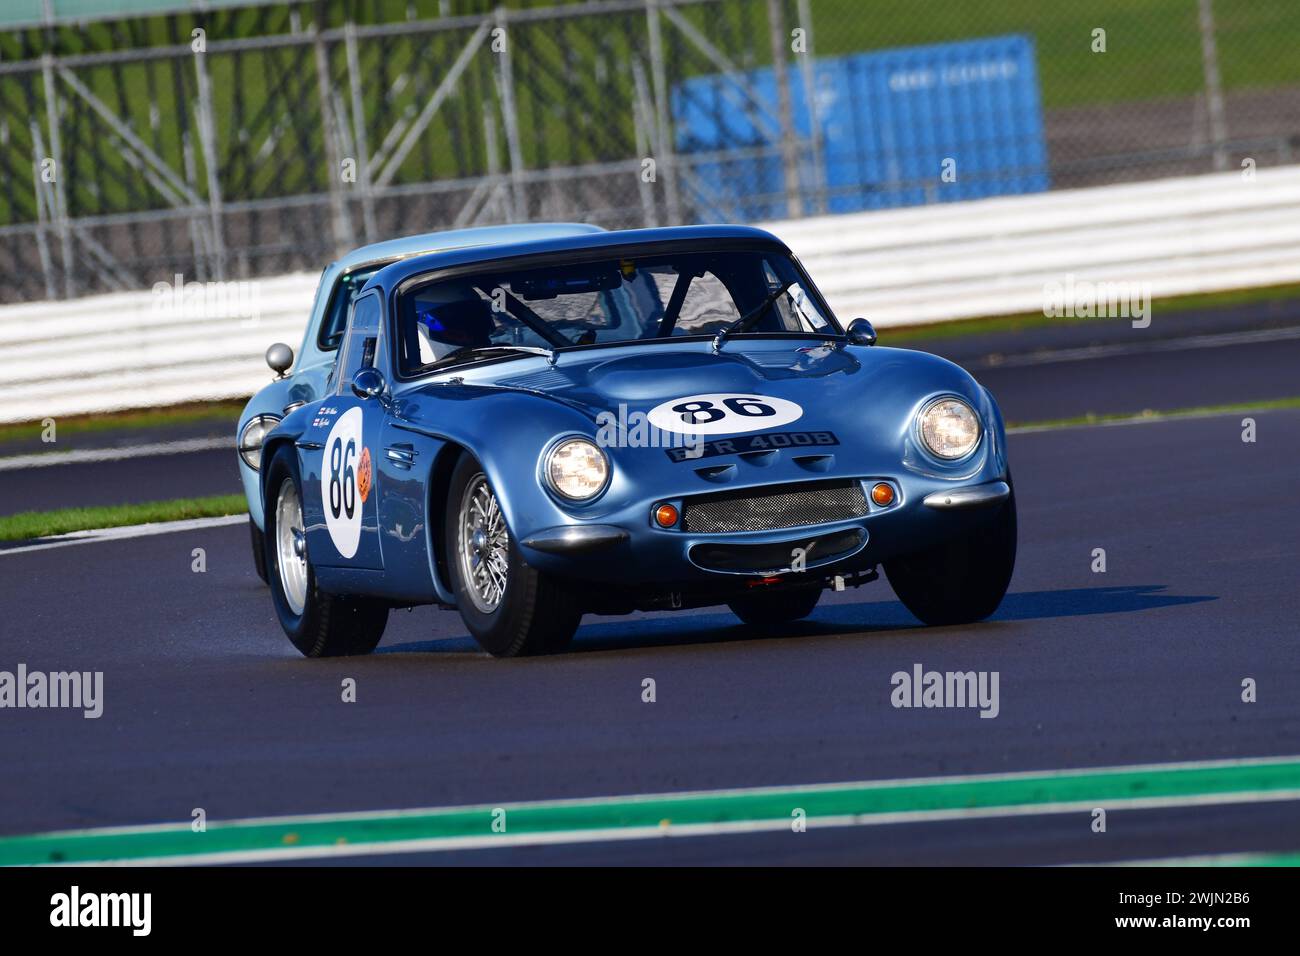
{"points": [[665, 516]]}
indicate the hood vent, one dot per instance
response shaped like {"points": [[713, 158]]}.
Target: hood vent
{"points": [[717, 473]]}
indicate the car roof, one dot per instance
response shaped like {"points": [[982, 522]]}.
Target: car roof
{"points": [[391, 276], [406, 246]]}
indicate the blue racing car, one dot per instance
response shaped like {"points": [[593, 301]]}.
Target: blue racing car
{"points": [[529, 431]]}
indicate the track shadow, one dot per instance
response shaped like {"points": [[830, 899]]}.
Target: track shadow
{"points": [[830, 619], [1074, 602]]}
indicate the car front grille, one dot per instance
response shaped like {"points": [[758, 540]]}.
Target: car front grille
{"points": [[784, 506]]}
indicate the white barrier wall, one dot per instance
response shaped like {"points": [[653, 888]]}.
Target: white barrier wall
{"points": [[922, 264], [994, 256], [118, 351]]}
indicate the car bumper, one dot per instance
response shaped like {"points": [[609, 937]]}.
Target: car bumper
{"points": [[576, 539], [972, 496], [631, 553]]}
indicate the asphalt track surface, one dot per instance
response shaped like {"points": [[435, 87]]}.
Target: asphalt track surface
{"points": [[207, 705], [134, 480], [1103, 367], [153, 477]]}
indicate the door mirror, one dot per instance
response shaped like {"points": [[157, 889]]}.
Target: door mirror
{"points": [[369, 382], [279, 356], [861, 332]]}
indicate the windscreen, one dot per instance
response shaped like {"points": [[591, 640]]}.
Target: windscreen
{"points": [[597, 302]]}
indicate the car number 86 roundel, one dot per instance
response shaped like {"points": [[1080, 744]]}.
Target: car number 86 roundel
{"points": [[338, 479], [723, 413]]}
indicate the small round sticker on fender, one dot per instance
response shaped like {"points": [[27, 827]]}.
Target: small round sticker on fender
{"points": [[364, 475], [338, 483], [723, 413]]}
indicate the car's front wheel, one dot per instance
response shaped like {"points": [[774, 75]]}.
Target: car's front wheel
{"points": [[319, 624], [963, 580], [510, 608]]}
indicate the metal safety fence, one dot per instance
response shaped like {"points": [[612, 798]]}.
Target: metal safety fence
{"points": [[232, 139]]}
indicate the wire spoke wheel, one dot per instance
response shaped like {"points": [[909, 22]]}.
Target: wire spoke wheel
{"points": [[483, 545], [291, 547], [509, 607]]}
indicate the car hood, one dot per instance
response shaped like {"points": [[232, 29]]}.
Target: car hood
{"points": [[859, 402], [827, 379], [656, 374]]}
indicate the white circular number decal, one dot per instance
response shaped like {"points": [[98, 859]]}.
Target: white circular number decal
{"points": [[338, 483], [723, 413]]}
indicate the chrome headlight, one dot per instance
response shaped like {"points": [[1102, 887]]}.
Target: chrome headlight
{"points": [[949, 428], [577, 469], [252, 436]]}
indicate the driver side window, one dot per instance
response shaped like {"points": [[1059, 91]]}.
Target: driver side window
{"points": [[363, 342]]}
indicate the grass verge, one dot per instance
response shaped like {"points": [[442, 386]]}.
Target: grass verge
{"points": [[40, 524], [137, 418], [907, 334], [1155, 416]]}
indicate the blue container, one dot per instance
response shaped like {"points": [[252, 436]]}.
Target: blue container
{"points": [[892, 122]]}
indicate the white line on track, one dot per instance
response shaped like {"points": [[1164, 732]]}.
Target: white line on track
{"points": [[130, 531], [1003, 776], [83, 456], [599, 835], [614, 834]]}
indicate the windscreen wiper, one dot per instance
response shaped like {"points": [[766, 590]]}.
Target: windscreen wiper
{"points": [[751, 317], [529, 349]]}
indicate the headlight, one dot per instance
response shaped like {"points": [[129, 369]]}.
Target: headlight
{"points": [[577, 469], [950, 428], [251, 438]]}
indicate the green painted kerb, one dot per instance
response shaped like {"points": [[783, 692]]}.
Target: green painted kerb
{"points": [[1014, 792]]}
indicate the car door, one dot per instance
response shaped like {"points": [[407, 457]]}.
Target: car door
{"points": [[339, 452]]}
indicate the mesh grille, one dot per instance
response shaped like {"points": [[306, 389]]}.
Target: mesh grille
{"points": [[776, 508]]}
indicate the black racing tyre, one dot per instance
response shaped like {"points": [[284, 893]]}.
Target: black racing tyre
{"points": [[510, 608], [962, 580], [767, 610], [318, 624], [259, 549]]}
